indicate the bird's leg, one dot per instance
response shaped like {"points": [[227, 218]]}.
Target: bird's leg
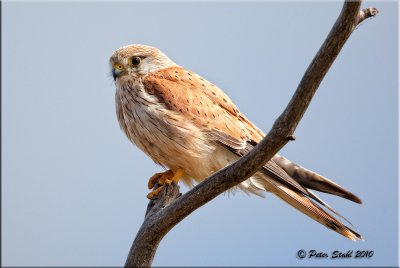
{"points": [[162, 178]]}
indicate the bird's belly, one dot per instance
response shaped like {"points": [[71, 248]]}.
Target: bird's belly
{"points": [[168, 138]]}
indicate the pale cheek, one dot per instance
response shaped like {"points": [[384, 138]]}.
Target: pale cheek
{"points": [[144, 68]]}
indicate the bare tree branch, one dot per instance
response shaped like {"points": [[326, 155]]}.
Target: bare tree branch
{"points": [[168, 210]]}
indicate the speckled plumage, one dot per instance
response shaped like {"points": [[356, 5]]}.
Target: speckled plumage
{"points": [[184, 122]]}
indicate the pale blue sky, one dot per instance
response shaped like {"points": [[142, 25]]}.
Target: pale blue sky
{"points": [[74, 188]]}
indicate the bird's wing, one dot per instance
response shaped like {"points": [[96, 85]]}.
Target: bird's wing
{"points": [[200, 101], [210, 109]]}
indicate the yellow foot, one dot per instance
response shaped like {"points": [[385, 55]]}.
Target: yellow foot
{"points": [[162, 178], [153, 194]]}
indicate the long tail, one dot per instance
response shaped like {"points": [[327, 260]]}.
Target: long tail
{"points": [[306, 206], [292, 183]]}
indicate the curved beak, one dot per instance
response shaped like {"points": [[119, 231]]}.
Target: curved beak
{"points": [[118, 70]]}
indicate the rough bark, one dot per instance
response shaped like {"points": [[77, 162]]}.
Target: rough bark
{"points": [[170, 208]]}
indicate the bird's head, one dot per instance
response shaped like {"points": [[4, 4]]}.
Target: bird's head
{"points": [[137, 61]]}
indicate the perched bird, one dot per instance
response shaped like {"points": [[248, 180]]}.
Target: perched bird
{"points": [[188, 125]]}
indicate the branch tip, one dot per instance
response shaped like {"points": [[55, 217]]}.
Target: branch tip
{"points": [[168, 194], [367, 13], [291, 137]]}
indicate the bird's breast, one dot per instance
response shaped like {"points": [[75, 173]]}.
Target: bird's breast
{"points": [[168, 137]]}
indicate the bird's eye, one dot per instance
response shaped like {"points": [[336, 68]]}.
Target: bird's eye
{"points": [[135, 61]]}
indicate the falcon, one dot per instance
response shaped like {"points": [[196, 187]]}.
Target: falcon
{"points": [[190, 127]]}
